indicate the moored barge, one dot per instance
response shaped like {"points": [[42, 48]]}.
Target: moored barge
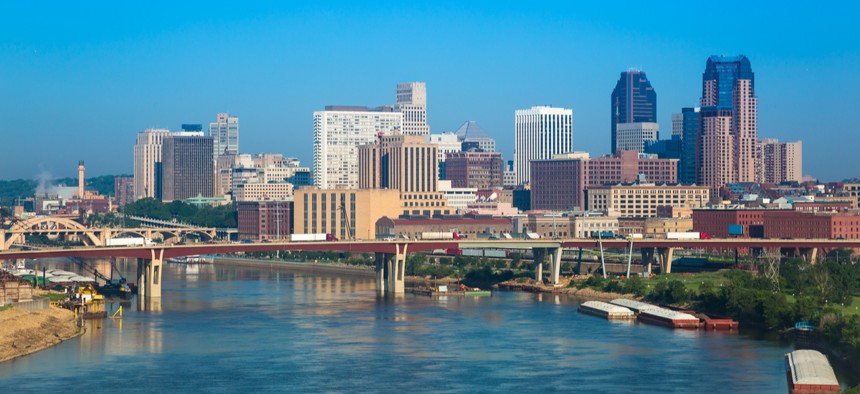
{"points": [[606, 310]]}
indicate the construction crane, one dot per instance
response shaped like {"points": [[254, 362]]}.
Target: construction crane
{"points": [[345, 218]]}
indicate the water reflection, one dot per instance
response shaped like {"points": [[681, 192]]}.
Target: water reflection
{"points": [[232, 329]]}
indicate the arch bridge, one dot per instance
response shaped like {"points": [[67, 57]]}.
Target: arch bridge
{"points": [[55, 227]]}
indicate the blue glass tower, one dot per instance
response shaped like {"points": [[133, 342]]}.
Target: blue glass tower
{"points": [[633, 101], [691, 128]]}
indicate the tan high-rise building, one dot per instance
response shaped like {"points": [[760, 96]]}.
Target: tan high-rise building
{"points": [[408, 164], [147, 163]]}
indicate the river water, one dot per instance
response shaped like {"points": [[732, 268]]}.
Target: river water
{"points": [[224, 329]]}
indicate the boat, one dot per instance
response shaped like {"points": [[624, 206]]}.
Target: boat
{"points": [[808, 371]]}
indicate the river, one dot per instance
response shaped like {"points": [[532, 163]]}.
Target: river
{"points": [[225, 329]]}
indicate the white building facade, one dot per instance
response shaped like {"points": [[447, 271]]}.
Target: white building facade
{"points": [[338, 132], [632, 136], [147, 161], [225, 135], [412, 103], [540, 132]]}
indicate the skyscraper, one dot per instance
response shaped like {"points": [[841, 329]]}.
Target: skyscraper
{"points": [[412, 103], [540, 133], [338, 132], [225, 135], [690, 130], [187, 166], [634, 136], [728, 117], [147, 163], [633, 101], [778, 162]]}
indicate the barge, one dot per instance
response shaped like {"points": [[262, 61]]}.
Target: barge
{"points": [[808, 371], [635, 306], [606, 310], [669, 318]]}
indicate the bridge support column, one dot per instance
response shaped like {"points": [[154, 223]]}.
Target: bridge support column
{"points": [[381, 271], [647, 258], [556, 265], [539, 254], [391, 270], [149, 275], [665, 259], [809, 255]]}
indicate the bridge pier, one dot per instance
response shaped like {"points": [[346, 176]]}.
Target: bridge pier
{"points": [[149, 275], [647, 258], [810, 255], [665, 259], [556, 265], [391, 270], [538, 254]]}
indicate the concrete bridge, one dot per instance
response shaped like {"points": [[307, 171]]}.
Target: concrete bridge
{"points": [[391, 255], [54, 227]]}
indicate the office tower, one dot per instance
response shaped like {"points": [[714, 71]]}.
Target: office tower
{"points": [[540, 133], [633, 101], [406, 163], [634, 136], [187, 166], [338, 132], [728, 115], [225, 135], [481, 170], [147, 163], [471, 132], [778, 162], [691, 125], [677, 124], [412, 103], [510, 178]]}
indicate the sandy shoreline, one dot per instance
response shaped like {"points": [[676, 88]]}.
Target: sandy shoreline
{"points": [[26, 332]]}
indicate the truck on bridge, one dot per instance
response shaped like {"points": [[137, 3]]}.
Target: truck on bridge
{"points": [[440, 235], [129, 241], [312, 237], [687, 235]]}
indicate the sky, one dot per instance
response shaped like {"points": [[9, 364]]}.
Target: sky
{"points": [[79, 80]]}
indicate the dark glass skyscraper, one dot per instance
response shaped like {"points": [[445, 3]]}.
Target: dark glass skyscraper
{"points": [[633, 101], [691, 126]]}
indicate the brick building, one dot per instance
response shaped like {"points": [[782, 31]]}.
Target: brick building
{"points": [[794, 224], [715, 222], [466, 226], [482, 170], [262, 220], [559, 184]]}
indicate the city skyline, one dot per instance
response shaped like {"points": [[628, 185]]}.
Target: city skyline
{"points": [[83, 92]]}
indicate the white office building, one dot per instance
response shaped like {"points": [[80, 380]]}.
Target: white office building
{"points": [[338, 132], [540, 132], [412, 103], [458, 197], [632, 136], [445, 143], [225, 135], [147, 163]]}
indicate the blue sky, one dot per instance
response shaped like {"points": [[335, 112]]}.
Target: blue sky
{"points": [[78, 81]]}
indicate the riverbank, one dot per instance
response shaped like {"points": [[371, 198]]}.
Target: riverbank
{"points": [[24, 332], [583, 293]]}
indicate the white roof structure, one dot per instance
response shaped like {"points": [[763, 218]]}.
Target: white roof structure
{"points": [[606, 307], [637, 306], [810, 367], [668, 314]]}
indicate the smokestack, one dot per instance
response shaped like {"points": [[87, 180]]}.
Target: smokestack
{"points": [[81, 180]]}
